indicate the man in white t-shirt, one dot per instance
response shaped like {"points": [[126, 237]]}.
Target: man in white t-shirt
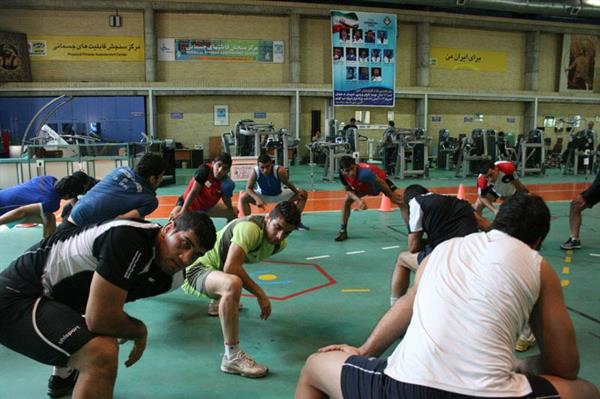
{"points": [[459, 322]]}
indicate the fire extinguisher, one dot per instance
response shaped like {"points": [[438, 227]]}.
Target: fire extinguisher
{"points": [[4, 153]]}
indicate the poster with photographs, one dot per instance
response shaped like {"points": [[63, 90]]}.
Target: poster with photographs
{"points": [[363, 58], [14, 58], [578, 60]]}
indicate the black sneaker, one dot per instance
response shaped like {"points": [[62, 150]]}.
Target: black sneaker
{"points": [[343, 236], [302, 227], [571, 244], [58, 386]]}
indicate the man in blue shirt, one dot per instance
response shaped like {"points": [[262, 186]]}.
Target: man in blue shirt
{"points": [[265, 187], [124, 193], [36, 200]]}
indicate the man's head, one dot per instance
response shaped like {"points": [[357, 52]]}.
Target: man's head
{"points": [[281, 221], [489, 169], [265, 164], [412, 191], [524, 216], [348, 166], [376, 72], [69, 187], [590, 125], [152, 168], [221, 165], [391, 123], [352, 120], [182, 240], [86, 181]]}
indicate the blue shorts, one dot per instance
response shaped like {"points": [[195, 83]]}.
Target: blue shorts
{"points": [[363, 378]]}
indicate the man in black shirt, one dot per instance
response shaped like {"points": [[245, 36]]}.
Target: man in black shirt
{"points": [[92, 271], [441, 217]]}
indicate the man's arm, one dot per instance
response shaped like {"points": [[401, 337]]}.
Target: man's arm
{"points": [[234, 265], [552, 326], [488, 204], [285, 179], [482, 223], [104, 315], [132, 214], [250, 190], [415, 241], [196, 188], [392, 326], [519, 186], [26, 211]]}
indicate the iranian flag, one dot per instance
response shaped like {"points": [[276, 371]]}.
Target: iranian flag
{"points": [[341, 20]]}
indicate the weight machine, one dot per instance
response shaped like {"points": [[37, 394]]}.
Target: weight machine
{"points": [[412, 148], [532, 152], [447, 150], [473, 150], [581, 153]]}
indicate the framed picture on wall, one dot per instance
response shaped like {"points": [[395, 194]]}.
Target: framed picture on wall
{"points": [[221, 116], [578, 61], [14, 58]]}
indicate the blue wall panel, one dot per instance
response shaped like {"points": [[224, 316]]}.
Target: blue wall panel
{"points": [[122, 118]]}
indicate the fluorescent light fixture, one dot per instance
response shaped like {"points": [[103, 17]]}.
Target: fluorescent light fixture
{"points": [[593, 3]]}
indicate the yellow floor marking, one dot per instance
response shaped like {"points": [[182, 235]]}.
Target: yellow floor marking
{"points": [[566, 270], [267, 277], [567, 259], [564, 283]]}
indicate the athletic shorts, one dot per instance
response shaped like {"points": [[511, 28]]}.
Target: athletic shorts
{"points": [[592, 194], [40, 328], [195, 278], [390, 184], [363, 378], [285, 195]]}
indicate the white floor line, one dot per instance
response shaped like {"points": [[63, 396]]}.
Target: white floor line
{"points": [[354, 252], [598, 255], [317, 257], [392, 247]]}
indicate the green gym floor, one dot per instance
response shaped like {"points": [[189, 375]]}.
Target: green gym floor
{"points": [[322, 292]]}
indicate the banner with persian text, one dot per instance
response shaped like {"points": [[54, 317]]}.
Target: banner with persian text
{"points": [[468, 59], [86, 48], [363, 58], [244, 50]]}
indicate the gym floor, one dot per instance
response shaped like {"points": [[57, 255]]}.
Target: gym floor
{"points": [[322, 292]]}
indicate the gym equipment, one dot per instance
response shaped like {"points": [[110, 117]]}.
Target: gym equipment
{"points": [[581, 152], [250, 138], [412, 148], [532, 152], [505, 151], [447, 150], [473, 150]]}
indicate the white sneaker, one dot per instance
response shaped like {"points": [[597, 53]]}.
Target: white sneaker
{"points": [[525, 342], [213, 307], [243, 365]]}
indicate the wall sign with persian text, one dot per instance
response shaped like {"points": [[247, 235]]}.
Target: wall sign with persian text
{"points": [[86, 48]]}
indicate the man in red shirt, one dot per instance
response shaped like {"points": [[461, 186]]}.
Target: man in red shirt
{"points": [[359, 180], [210, 184], [496, 180]]}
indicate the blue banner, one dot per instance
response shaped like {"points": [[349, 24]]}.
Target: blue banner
{"points": [[363, 58]]}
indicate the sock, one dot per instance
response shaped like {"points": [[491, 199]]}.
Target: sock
{"points": [[343, 227], [574, 238], [232, 350], [62, 372], [393, 300]]}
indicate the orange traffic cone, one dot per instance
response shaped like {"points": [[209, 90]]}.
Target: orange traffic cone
{"points": [[461, 192], [386, 204]]}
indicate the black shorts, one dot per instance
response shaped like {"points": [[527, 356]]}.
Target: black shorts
{"points": [[40, 328], [363, 378], [592, 194]]}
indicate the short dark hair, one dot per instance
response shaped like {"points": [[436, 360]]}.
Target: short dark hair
{"points": [[486, 165], [412, 191], [352, 120], [150, 165], [519, 213], [86, 180], [69, 187], [224, 158], [391, 123], [200, 224], [346, 161], [264, 158], [288, 211]]}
